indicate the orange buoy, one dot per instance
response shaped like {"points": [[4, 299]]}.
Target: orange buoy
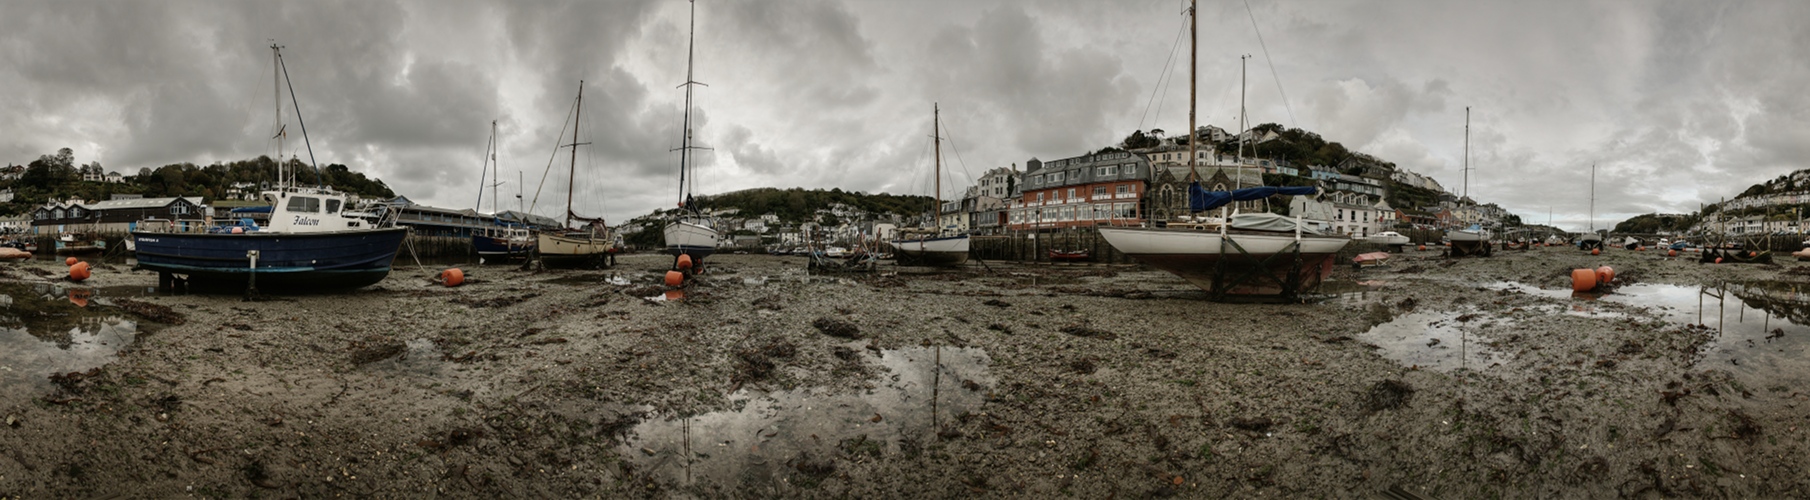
{"points": [[1671, 253], [452, 277], [1718, 260], [79, 271], [238, 230], [675, 278], [684, 262], [69, 261], [1596, 251], [1604, 275], [1641, 248], [675, 295], [1423, 248], [1583, 280]]}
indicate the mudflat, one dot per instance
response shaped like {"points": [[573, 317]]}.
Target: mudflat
{"points": [[1451, 378]]}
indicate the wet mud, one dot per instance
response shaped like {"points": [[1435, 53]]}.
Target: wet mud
{"points": [[1449, 378]]}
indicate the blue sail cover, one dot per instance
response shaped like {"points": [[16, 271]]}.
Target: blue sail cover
{"points": [[1200, 199]]}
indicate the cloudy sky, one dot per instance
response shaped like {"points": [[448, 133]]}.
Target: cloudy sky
{"points": [[1679, 102]]}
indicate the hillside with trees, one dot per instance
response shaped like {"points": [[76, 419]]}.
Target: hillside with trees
{"points": [[58, 177], [797, 205], [1657, 223]]}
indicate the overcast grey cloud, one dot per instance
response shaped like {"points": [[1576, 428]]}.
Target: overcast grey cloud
{"points": [[1679, 102]]}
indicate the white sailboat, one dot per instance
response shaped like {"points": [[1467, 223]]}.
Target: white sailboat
{"points": [[930, 247], [1251, 254], [689, 232], [588, 247], [1474, 239]]}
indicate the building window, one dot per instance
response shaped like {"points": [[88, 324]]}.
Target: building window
{"points": [[1071, 194], [1123, 189], [1055, 177], [1036, 179], [1099, 192], [1125, 210], [57, 214], [1131, 169], [1039, 198]]}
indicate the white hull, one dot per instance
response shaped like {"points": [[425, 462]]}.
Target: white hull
{"points": [[1466, 236], [1138, 241], [688, 237], [1387, 239], [1205, 258], [934, 251]]}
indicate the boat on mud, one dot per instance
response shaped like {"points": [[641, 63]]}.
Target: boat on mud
{"points": [[690, 233], [588, 247], [78, 244], [1388, 238], [1057, 255], [311, 241], [930, 246]]}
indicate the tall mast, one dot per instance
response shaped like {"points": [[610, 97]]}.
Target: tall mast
{"points": [[276, 83], [1242, 125], [935, 134], [685, 146], [1467, 154], [1193, 62], [572, 172], [494, 181], [1593, 198]]}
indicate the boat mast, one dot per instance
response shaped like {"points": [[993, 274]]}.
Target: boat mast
{"points": [[935, 130], [1243, 126], [494, 167], [1467, 152], [276, 84], [1593, 198], [572, 172], [1193, 62], [685, 146]]}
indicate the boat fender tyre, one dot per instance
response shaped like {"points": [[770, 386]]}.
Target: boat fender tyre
{"points": [[79, 271], [1583, 280], [452, 277]]}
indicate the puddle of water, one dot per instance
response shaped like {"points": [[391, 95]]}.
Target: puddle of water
{"points": [[1433, 340], [1763, 328], [755, 281], [617, 280], [761, 443], [27, 361], [669, 295], [1349, 294]]}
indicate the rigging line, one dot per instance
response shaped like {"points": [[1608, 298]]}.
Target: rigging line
{"points": [[1163, 80], [298, 120], [958, 154], [1272, 65], [550, 158]]}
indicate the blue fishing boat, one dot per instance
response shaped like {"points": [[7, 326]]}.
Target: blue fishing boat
{"points": [[311, 241]]}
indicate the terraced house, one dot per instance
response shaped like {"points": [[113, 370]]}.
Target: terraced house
{"points": [[1085, 190]]}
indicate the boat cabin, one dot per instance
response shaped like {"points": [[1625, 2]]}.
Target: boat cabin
{"points": [[308, 210]]}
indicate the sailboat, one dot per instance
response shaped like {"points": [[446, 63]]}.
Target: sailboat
{"points": [[929, 247], [1591, 240], [311, 240], [588, 247], [502, 239], [1250, 254], [689, 232], [1473, 240]]}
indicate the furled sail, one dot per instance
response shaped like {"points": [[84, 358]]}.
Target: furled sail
{"points": [[1200, 199]]}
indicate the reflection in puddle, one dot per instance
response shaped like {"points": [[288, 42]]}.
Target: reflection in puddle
{"points": [[27, 361], [761, 444], [669, 295], [1761, 326], [1435, 340]]}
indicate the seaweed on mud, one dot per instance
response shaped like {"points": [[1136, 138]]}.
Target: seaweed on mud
{"points": [[154, 312], [1743, 426], [837, 328], [997, 303], [377, 353], [1084, 366], [1253, 424], [1388, 395], [1089, 332], [1001, 328], [495, 301]]}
